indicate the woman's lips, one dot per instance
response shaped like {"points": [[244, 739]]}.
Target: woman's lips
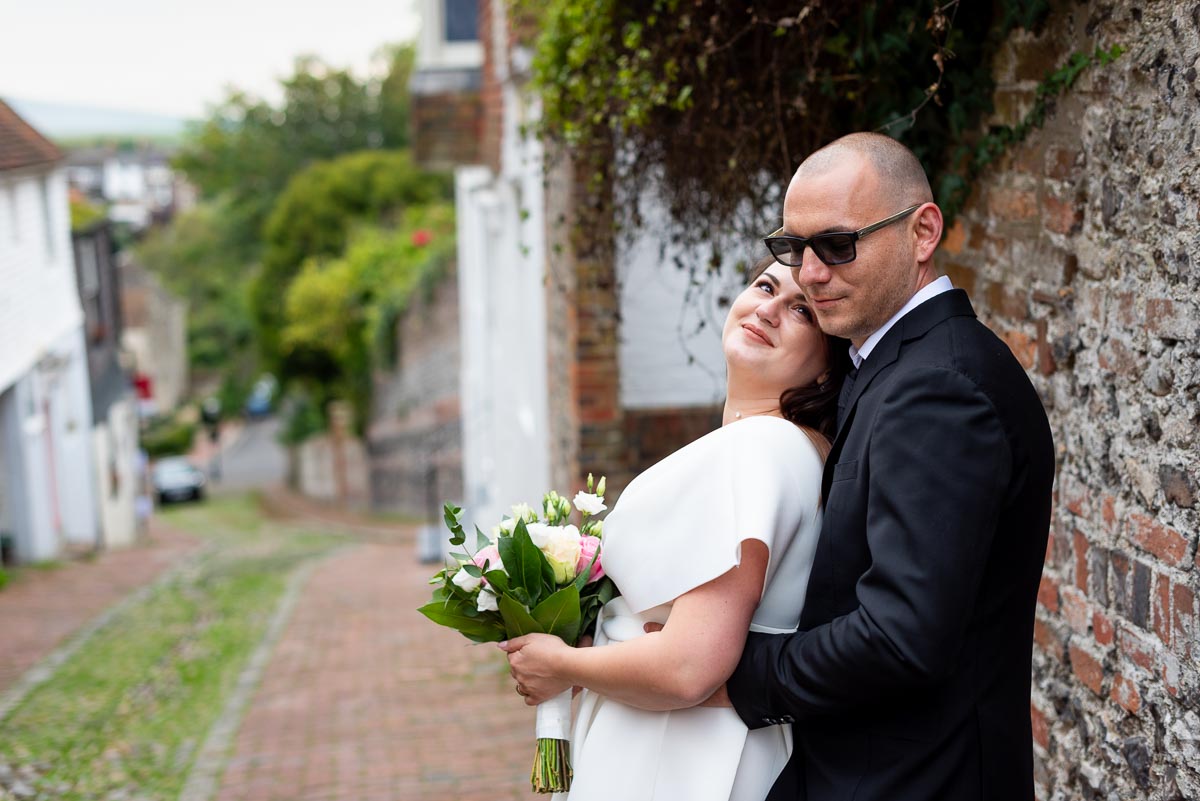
{"points": [[757, 334]]}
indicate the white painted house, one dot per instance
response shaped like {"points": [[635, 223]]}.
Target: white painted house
{"points": [[668, 362], [47, 483]]}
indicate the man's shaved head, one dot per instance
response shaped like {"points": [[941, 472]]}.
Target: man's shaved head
{"points": [[900, 174]]}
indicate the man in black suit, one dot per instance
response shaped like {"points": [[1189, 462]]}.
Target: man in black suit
{"points": [[908, 679]]}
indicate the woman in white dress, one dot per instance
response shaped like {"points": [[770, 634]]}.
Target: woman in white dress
{"points": [[712, 542]]}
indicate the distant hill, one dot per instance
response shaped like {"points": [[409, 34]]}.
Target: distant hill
{"points": [[66, 123]]}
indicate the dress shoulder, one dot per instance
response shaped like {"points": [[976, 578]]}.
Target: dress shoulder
{"points": [[681, 523]]}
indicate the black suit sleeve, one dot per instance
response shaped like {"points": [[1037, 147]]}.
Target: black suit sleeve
{"points": [[938, 464]]}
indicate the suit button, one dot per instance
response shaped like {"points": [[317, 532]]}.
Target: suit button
{"points": [[769, 721], [787, 719]]}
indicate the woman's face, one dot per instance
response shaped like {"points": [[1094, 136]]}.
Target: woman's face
{"points": [[771, 337]]}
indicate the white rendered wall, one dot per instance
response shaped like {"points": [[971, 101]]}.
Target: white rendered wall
{"points": [[39, 303], [114, 443], [69, 427]]}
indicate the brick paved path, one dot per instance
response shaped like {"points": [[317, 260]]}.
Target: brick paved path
{"points": [[40, 610], [365, 700]]}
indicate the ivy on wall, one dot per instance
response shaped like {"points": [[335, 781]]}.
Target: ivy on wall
{"points": [[719, 101]]}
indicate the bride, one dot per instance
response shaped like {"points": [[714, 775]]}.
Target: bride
{"points": [[712, 542]]}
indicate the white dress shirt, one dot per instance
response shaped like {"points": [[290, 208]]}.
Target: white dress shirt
{"points": [[930, 290]]}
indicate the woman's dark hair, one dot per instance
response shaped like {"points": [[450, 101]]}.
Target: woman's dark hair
{"points": [[814, 405]]}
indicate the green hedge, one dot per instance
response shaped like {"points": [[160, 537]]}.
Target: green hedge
{"points": [[168, 438]]}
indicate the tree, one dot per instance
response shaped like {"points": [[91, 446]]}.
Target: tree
{"points": [[339, 314], [248, 150], [315, 215]]}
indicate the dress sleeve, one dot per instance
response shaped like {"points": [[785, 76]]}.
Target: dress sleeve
{"points": [[681, 523]]}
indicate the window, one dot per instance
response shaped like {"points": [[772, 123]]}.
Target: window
{"points": [[462, 20]]}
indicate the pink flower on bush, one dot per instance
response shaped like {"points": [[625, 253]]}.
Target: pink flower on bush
{"points": [[587, 547], [421, 237]]}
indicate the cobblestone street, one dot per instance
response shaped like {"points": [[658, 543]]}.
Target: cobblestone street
{"points": [[358, 697]]}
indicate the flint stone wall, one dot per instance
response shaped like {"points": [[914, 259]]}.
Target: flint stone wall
{"points": [[1080, 249]]}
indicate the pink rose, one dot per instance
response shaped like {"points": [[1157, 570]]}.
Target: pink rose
{"points": [[491, 555], [587, 547]]}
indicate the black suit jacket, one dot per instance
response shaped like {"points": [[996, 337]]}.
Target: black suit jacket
{"points": [[909, 677]]}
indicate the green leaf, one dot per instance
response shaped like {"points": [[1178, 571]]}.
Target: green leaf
{"points": [[473, 570], [559, 614], [517, 620], [525, 563], [497, 580], [481, 540], [453, 615]]}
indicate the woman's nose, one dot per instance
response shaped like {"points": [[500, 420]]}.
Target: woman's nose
{"points": [[768, 311]]}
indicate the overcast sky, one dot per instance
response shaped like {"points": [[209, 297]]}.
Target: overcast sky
{"points": [[175, 57]]}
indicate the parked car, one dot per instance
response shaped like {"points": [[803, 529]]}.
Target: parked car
{"points": [[258, 404], [177, 479]]}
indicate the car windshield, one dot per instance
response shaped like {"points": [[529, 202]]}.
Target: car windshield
{"points": [[174, 468]]}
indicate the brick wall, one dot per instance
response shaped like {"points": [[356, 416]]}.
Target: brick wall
{"points": [[414, 442], [1080, 250], [446, 123]]}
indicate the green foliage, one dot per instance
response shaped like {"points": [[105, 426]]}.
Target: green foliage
{"points": [[166, 437], [4, 578], [198, 258], [85, 214], [340, 313], [314, 219], [720, 102], [302, 419], [248, 150]]}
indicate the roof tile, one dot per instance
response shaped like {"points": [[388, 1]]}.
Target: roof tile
{"points": [[21, 145]]}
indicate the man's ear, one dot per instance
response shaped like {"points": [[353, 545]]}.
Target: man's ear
{"points": [[928, 231]]}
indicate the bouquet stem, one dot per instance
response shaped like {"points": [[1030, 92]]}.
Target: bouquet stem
{"points": [[551, 766], [552, 762]]}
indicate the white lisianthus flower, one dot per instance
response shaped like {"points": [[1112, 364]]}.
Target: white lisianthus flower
{"points": [[487, 602], [465, 581], [561, 546], [508, 525], [588, 503], [523, 511]]}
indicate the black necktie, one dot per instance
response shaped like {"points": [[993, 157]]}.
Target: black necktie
{"points": [[844, 397]]}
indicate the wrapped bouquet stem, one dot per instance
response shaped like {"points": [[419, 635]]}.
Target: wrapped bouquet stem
{"points": [[535, 574]]}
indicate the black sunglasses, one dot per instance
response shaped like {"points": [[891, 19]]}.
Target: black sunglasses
{"points": [[832, 248]]}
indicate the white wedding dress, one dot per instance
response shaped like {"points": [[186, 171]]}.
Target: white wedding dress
{"points": [[676, 526]]}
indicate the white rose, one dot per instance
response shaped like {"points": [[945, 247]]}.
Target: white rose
{"points": [[508, 525], [486, 602], [540, 533], [523, 511], [464, 580], [588, 503]]}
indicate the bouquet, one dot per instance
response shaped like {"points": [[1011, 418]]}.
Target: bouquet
{"points": [[532, 575]]}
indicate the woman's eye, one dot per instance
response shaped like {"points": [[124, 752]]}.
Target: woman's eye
{"points": [[804, 310], [766, 286]]}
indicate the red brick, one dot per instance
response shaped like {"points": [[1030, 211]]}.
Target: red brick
{"points": [[1184, 618], [1108, 511], [955, 238], [1061, 216], [1160, 608], [1060, 162], [1088, 669], [1124, 310], [1102, 628], [1075, 609], [1165, 543], [1116, 357], [1045, 354], [1080, 544], [1137, 649], [1169, 319], [1007, 203], [1048, 593], [1125, 693], [1041, 728], [1006, 302], [1023, 346], [1047, 640]]}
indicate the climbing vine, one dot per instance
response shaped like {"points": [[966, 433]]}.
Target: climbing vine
{"points": [[716, 103]]}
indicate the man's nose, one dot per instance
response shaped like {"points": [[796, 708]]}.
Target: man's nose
{"points": [[812, 271]]}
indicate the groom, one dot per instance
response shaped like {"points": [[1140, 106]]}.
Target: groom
{"points": [[909, 677]]}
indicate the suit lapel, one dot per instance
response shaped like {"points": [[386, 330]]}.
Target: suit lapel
{"points": [[913, 325]]}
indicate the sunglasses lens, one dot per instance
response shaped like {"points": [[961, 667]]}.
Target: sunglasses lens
{"points": [[786, 252], [834, 248]]}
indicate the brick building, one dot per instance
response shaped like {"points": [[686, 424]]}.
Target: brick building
{"points": [[1080, 249]]}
